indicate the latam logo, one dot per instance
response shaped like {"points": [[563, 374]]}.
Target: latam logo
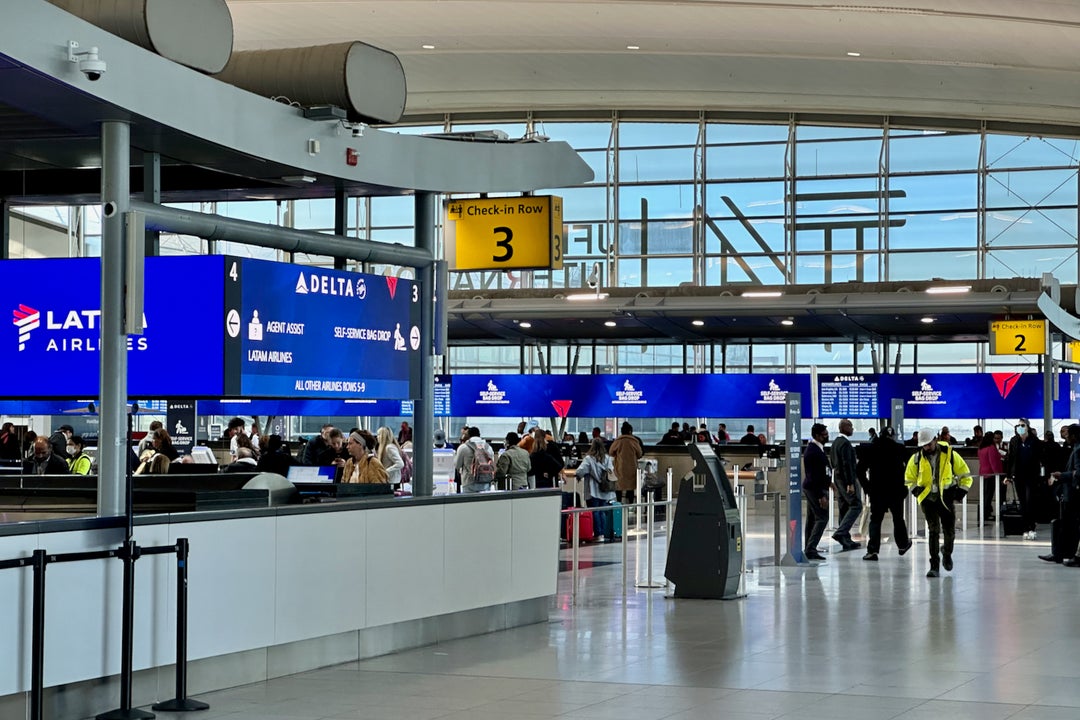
{"points": [[26, 319], [318, 284]]}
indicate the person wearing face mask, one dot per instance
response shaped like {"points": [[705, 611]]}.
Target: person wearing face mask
{"points": [[79, 462], [938, 477], [1024, 471]]}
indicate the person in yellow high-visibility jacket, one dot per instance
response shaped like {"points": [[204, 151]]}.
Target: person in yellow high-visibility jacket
{"points": [[938, 477]]}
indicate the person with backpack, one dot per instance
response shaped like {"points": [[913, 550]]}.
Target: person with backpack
{"points": [[598, 471], [475, 461], [512, 467]]}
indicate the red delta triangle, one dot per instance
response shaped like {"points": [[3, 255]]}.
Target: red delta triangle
{"points": [[562, 407], [391, 284], [1005, 382]]}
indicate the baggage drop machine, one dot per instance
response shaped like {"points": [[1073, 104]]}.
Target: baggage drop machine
{"points": [[706, 543]]}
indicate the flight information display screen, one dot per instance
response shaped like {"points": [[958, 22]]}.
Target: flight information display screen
{"points": [[299, 331]]}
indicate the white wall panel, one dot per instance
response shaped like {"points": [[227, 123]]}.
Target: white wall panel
{"points": [[16, 589], [477, 555], [410, 537], [535, 560], [321, 575], [231, 583]]}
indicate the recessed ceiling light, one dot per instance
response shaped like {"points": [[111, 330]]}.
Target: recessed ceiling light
{"points": [[428, 47], [788, 322], [948, 289], [854, 54], [610, 323], [633, 47], [586, 297], [525, 325], [699, 323], [762, 293], [927, 320]]}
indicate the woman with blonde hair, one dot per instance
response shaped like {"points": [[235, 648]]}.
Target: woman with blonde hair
{"points": [[389, 454]]}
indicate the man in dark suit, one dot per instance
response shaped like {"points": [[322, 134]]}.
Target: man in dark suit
{"points": [[44, 461], [816, 488]]}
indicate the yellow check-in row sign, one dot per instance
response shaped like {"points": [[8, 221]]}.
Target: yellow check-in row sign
{"points": [[1017, 337], [509, 233]]}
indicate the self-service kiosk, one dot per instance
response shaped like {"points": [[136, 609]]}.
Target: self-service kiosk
{"points": [[706, 545]]}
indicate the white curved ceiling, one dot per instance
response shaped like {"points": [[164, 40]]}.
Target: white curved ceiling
{"points": [[1004, 60]]}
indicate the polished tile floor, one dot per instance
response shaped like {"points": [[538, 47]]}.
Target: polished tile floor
{"points": [[997, 638]]}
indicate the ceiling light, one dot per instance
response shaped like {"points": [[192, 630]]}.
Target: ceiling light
{"points": [[610, 323], [699, 323], [854, 54], [633, 47], [787, 322], [578, 297], [948, 290], [762, 293], [428, 47], [525, 325], [927, 320]]}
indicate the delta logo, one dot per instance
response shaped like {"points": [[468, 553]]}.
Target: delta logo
{"points": [[314, 283], [69, 330], [1005, 382]]}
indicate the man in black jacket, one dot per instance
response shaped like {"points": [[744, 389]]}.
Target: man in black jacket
{"points": [[846, 481], [44, 461], [815, 486], [885, 463], [59, 441]]}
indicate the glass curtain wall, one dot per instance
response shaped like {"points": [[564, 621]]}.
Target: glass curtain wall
{"points": [[688, 199]]}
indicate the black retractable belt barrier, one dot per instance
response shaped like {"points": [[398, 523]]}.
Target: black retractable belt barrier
{"points": [[181, 703]]}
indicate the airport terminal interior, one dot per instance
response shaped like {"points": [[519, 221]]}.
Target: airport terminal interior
{"points": [[877, 202]]}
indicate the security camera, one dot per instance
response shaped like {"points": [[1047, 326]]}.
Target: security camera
{"points": [[594, 276], [90, 64], [358, 130]]}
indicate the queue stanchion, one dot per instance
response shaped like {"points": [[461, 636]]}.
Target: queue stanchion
{"points": [[129, 552], [181, 703], [776, 530], [575, 539], [624, 521], [37, 642], [832, 508]]}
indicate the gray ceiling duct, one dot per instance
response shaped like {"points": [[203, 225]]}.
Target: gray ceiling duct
{"points": [[368, 82], [195, 33]]}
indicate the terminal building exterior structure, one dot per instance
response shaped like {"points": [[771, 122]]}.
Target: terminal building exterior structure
{"points": [[843, 160]]}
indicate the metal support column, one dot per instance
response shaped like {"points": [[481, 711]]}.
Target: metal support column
{"points": [[115, 200], [5, 229], [423, 405], [152, 194], [341, 217]]}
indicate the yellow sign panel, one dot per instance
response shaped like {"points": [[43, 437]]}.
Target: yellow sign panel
{"points": [[1017, 337], [504, 233], [1074, 351]]}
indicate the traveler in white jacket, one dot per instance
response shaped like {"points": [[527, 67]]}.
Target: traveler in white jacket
{"points": [[389, 455]]}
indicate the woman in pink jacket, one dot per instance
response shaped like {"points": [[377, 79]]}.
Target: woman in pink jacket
{"points": [[991, 468]]}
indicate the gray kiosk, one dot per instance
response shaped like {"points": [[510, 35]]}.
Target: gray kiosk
{"points": [[706, 545]]}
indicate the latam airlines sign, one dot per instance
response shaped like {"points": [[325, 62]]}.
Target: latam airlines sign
{"points": [[53, 341]]}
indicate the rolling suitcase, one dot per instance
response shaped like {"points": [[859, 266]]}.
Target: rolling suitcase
{"points": [[1012, 519], [616, 519], [585, 524]]}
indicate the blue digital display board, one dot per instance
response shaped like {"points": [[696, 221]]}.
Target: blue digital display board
{"points": [[757, 395], [215, 327], [307, 408], [848, 396], [312, 332], [51, 346], [935, 396]]}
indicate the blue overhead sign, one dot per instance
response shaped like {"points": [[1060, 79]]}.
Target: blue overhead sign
{"points": [[937, 396], [215, 327], [754, 396], [52, 344], [313, 332]]}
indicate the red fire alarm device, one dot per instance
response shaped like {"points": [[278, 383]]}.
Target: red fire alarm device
{"points": [[352, 157]]}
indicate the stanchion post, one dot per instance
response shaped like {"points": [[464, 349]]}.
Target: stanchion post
{"points": [[651, 509], [181, 703], [129, 553], [37, 643], [625, 542], [575, 536], [776, 529]]}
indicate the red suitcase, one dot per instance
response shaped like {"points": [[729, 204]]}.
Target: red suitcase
{"points": [[585, 525]]}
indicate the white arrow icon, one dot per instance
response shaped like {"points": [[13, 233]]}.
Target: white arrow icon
{"points": [[232, 323]]}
